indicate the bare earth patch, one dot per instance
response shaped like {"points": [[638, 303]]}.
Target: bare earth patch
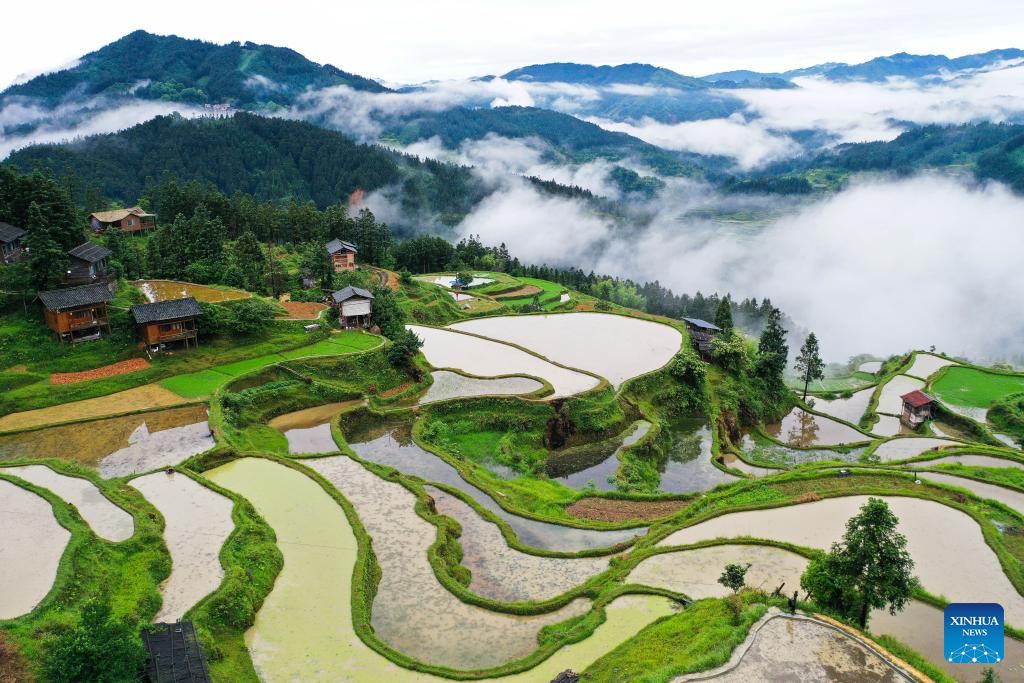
{"points": [[525, 290], [302, 310], [611, 510], [125, 366], [13, 666]]}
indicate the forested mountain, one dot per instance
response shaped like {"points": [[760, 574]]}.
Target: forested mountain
{"points": [[149, 66], [991, 151], [270, 158], [900, 64], [625, 74], [577, 140]]}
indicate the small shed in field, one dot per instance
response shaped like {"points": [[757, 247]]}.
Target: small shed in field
{"points": [[11, 242], [917, 407], [354, 306], [343, 255], [702, 334], [167, 322], [77, 313]]}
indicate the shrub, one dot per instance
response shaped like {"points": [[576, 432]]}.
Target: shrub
{"points": [[100, 648]]}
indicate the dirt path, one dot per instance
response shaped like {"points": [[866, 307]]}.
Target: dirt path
{"points": [[125, 366]]}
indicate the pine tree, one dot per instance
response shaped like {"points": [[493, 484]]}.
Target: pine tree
{"points": [[772, 350], [723, 315], [47, 260], [809, 363], [249, 258]]}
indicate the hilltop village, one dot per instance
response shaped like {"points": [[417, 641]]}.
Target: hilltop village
{"points": [[241, 441]]}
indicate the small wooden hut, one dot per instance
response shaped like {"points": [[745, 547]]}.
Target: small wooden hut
{"points": [[132, 219], [343, 255], [77, 314], [87, 263], [917, 408], [702, 334], [11, 243], [354, 306], [168, 322]]}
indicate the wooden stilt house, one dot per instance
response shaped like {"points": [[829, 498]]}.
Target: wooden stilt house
{"points": [[702, 334], [168, 322], [77, 314], [11, 243]]}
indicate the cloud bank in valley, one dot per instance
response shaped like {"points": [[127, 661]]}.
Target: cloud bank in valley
{"points": [[881, 267]]}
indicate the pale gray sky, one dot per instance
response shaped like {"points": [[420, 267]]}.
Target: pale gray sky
{"points": [[410, 41]]}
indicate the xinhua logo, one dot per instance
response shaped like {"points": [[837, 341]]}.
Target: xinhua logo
{"points": [[973, 632]]}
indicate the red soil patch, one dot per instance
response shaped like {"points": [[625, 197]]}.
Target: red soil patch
{"points": [[611, 510], [396, 390], [121, 368], [13, 667], [525, 290], [303, 310]]}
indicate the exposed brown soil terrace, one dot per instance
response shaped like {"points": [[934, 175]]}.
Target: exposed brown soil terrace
{"points": [[302, 310], [612, 510], [525, 290], [125, 366]]}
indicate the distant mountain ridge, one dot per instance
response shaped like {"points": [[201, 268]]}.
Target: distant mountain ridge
{"points": [[148, 66], [626, 74]]}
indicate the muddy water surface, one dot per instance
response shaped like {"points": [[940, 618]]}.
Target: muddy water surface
{"points": [[870, 367], [448, 385], [391, 444], [909, 447], [486, 358], [197, 523], [503, 573], [31, 545], [925, 365], [889, 401], [309, 430], [695, 572], [956, 563], [972, 460], [106, 519], [849, 409], [628, 346], [759, 448], [689, 467], [149, 451], [1006, 496], [888, 425], [601, 475], [164, 290], [412, 611], [800, 428]]}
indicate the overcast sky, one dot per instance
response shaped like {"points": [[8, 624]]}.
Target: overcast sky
{"points": [[416, 40]]}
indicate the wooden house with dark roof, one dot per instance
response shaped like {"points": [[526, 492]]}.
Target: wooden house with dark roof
{"points": [[77, 314], [702, 335], [87, 263], [917, 408], [12, 243], [354, 306], [168, 322], [132, 219], [343, 255]]}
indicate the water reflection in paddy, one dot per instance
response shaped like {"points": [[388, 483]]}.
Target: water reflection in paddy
{"points": [[602, 475], [689, 467], [391, 444], [850, 409], [758, 447], [412, 611], [31, 545], [800, 428], [904, 448], [448, 385], [309, 430]]}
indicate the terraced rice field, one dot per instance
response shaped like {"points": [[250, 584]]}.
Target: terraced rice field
{"points": [[601, 475], [131, 400], [486, 358], [889, 400], [849, 409], [186, 507], [106, 519], [904, 448], [956, 563], [1007, 496], [801, 428], [31, 545], [925, 365], [970, 388], [628, 346], [164, 290], [448, 385], [889, 425], [689, 467], [309, 430]]}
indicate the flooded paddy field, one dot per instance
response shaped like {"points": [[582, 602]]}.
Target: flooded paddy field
{"points": [[695, 573], [164, 290], [850, 409], [889, 425], [391, 444], [31, 545], [889, 400], [1006, 496], [412, 611], [629, 346], [970, 460], [486, 358], [870, 367], [689, 468], [106, 519], [732, 461], [956, 563], [450, 281], [304, 630], [309, 430], [925, 365], [801, 428], [503, 573], [188, 508], [130, 400], [91, 442], [448, 385], [600, 475], [782, 648], [904, 448], [758, 448]]}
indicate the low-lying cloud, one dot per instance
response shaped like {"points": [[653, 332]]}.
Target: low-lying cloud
{"points": [[882, 267]]}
